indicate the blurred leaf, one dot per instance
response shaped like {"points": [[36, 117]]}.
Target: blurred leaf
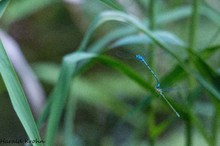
{"points": [[3, 5], [204, 68], [24, 8], [184, 12], [68, 126], [198, 123], [206, 52], [105, 41], [160, 128], [17, 97], [96, 47], [119, 16], [113, 4], [211, 14], [92, 91], [173, 76], [174, 15], [164, 36], [2, 87], [104, 17], [178, 73]]}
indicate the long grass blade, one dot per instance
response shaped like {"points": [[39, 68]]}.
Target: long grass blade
{"points": [[17, 97], [61, 90], [113, 4]]}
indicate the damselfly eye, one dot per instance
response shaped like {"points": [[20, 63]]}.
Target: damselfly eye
{"points": [[139, 57]]}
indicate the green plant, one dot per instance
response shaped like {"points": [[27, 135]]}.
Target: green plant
{"points": [[73, 86]]}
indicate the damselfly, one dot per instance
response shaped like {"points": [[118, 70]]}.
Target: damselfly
{"points": [[158, 88]]}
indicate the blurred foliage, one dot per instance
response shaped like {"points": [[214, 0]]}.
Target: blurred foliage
{"points": [[95, 96]]}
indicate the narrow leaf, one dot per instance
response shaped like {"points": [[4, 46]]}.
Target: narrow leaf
{"points": [[3, 5], [113, 4], [17, 96]]}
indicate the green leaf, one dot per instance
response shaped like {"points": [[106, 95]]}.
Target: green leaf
{"points": [[24, 8], [166, 37], [96, 94], [160, 128], [174, 15], [17, 96], [211, 14], [69, 117], [61, 90], [113, 4], [96, 47], [69, 63], [3, 5], [197, 122], [122, 17], [205, 70], [184, 12]]}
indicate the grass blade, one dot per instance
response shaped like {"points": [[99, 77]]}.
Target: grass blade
{"points": [[113, 4], [3, 6], [61, 90], [25, 9], [165, 36], [122, 17], [17, 97]]}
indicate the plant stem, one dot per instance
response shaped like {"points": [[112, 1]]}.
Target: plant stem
{"points": [[215, 122], [151, 125], [151, 122], [152, 14], [194, 24], [152, 27], [192, 46], [188, 131]]}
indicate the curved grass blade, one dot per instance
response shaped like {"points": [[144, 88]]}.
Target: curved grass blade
{"points": [[61, 90], [165, 36], [95, 95], [122, 17], [174, 15], [184, 12], [113, 4], [96, 47], [118, 16], [17, 97], [205, 70], [104, 17], [211, 14], [68, 126], [178, 73]]}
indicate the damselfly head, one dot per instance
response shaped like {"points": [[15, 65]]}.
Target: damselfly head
{"points": [[139, 57]]}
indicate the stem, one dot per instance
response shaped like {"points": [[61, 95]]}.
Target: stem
{"points": [[68, 125], [151, 121], [194, 24], [188, 131], [151, 125], [152, 26], [192, 46], [215, 122], [214, 37], [152, 9]]}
